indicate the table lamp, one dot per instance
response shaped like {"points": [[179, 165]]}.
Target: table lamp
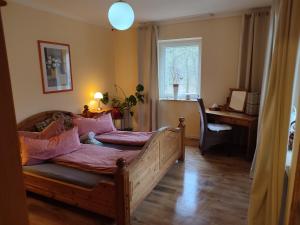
{"points": [[98, 96]]}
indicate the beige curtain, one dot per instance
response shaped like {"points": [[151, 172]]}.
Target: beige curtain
{"points": [[265, 199], [253, 49], [148, 76], [267, 67]]}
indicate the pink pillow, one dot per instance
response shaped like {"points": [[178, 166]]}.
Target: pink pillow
{"points": [[35, 151], [100, 125], [53, 129]]}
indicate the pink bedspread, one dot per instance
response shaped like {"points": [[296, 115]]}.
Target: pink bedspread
{"points": [[125, 138], [95, 158]]}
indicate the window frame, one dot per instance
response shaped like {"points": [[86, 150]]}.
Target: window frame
{"points": [[162, 44]]}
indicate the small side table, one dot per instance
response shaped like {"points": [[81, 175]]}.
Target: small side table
{"points": [[95, 113]]}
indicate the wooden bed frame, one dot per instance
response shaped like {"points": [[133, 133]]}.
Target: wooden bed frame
{"points": [[119, 197]]}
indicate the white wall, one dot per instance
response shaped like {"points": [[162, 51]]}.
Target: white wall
{"points": [[126, 63], [101, 58], [220, 60], [91, 55]]}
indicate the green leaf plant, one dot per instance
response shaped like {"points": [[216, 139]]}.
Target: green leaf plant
{"points": [[125, 102]]}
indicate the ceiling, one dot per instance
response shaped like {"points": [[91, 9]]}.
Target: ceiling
{"points": [[95, 11]]}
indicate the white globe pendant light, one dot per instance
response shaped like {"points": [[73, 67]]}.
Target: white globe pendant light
{"points": [[121, 15]]}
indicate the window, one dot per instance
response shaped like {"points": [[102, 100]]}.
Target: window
{"points": [[179, 67]]}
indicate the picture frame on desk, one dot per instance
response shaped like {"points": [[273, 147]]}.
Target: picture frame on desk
{"points": [[237, 100]]}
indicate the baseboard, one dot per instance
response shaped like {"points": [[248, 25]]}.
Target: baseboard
{"points": [[194, 142]]}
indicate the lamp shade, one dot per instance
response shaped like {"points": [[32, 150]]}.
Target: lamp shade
{"points": [[98, 95], [121, 15]]}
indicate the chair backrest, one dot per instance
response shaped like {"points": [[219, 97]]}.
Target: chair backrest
{"points": [[203, 122]]}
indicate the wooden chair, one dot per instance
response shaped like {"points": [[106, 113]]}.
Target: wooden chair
{"points": [[212, 133]]}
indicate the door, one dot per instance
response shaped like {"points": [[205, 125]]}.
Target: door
{"points": [[12, 194]]}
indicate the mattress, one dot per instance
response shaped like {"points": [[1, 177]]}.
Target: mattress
{"points": [[67, 174]]}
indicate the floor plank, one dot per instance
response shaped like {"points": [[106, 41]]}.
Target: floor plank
{"points": [[209, 190]]}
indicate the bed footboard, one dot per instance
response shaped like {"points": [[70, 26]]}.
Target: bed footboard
{"points": [[137, 180]]}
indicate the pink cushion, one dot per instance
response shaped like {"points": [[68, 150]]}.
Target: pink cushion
{"points": [[35, 151], [100, 125], [53, 129]]}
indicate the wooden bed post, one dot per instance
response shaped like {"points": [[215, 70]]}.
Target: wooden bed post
{"points": [[182, 129], [122, 193]]}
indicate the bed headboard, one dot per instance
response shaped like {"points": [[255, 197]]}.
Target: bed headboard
{"points": [[29, 123]]}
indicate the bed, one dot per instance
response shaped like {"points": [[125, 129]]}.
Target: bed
{"points": [[117, 195]]}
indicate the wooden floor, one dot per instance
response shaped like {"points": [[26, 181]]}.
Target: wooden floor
{"points": [[209, 190]]}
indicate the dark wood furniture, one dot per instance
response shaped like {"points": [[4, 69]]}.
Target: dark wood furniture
{"points": [[12, 195], [238, 119], [211, 134], [118, 197]]}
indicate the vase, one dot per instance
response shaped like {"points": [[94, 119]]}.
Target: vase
{"points": [[126, 123], [53, 73], [175, 90], [115, 113]]}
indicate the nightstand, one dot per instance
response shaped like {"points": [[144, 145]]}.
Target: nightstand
{"points": [[94, 113]]}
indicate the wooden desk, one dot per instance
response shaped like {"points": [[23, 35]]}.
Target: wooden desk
{"points": [[238, 119]]}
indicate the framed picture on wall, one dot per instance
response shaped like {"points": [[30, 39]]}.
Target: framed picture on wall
{"points": [[55, 63]]}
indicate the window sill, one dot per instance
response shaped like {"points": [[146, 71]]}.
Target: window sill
{"points": [[177, 100]]}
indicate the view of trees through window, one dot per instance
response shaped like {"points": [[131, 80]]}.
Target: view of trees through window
{"points": [[179, 65]]}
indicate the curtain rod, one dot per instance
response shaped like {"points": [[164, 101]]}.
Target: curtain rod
{"points": [[262, 9]]}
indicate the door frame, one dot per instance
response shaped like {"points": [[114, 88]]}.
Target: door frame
{"points": [[12, 192]]}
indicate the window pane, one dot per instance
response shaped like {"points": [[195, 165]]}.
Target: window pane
{"points": [[179, 64]]}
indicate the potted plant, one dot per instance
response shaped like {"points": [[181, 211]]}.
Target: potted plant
{"points": [[122, 106]]}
